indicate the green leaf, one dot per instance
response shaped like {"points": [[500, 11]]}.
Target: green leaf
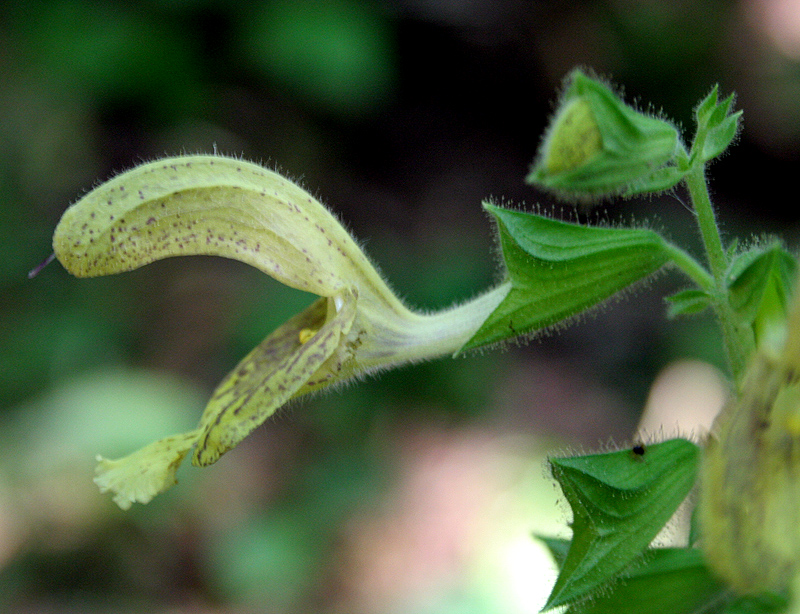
{"points": [[760, 287], [667, 581], [559, 548], [620, 501], [558, 270], [687, 302]]}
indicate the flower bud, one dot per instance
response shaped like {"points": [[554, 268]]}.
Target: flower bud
{"points": [[575, 138], [597, 146]]}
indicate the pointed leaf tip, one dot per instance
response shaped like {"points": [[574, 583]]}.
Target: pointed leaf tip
{"points": [[620, 501]]}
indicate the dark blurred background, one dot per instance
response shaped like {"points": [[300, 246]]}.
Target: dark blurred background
{"points": [[414, 492]]}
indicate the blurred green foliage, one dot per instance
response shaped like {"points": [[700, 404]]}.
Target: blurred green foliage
{"points": [[403, 117], [337, 55]]}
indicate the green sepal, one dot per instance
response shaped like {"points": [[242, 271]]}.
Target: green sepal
{"points": [[707, 106], [716, 126], [760, 285], [619, 501], [597, 146], [558, 269], [660, 180], [687, 302]]}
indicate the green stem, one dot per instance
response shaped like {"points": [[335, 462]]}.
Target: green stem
{"points": [[691, 267], [706, 220], [738, 343]]}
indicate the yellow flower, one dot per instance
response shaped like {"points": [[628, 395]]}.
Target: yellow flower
{"points": [[227, 207]]}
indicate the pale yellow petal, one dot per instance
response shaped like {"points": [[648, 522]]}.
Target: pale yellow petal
{"points": [[140, 476], [215, 206], [272, 374]]}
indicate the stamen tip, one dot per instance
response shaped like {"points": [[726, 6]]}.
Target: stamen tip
{"points": [[38, 269]]}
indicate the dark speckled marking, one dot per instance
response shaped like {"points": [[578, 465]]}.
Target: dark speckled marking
{"points": [[268, 377]]}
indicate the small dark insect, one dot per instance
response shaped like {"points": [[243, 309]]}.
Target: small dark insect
{"points": [[638, 450]]}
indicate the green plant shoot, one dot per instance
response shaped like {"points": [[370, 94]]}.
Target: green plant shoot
{"points": [[744, 554]]}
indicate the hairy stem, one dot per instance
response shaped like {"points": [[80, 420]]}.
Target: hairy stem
{"points": [[691, 267], [738, 342]]}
